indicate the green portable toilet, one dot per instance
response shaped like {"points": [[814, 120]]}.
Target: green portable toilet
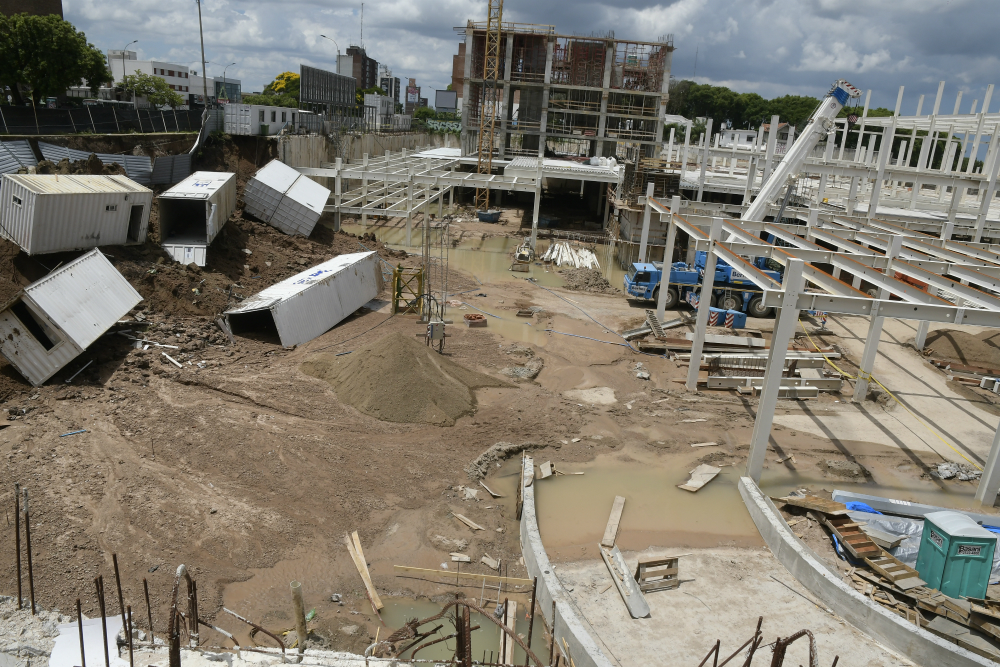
{"points": [[956, 555]]}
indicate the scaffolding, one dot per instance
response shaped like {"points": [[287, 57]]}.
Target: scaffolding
{"points": [[491, 99]]}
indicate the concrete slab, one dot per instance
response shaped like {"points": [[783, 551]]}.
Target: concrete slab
{"points": [[723, 591]]}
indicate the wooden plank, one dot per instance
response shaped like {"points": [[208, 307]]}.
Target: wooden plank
{"points": [[460, 558], [823, 505], [492, 578], [489, 490], [490, 563], [546, 469], [506, 644], [855, 541], [359, 562], [468, 522], [611, 531]]}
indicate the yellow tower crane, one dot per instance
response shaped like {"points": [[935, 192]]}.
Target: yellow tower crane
{"points": [[489, 107]]}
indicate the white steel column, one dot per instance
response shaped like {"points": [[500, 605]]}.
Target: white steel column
{"points": [[875, 329], [684, 151], [784, 329], [668, 259], [364, 192], [704, 303], [707, 143], [338, 191], [646, 210], [670, 146], [538, 203], [991, 186], [989, 483], [772, 142]]}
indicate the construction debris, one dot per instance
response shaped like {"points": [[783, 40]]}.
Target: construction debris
{"points": [[611, 530], [468, 522], [700, 476], [358, 556]]}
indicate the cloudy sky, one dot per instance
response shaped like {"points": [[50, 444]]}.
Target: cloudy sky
{"points": [[771, 47]]}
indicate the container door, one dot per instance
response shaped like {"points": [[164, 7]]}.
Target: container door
{"points": [[135, 223]]}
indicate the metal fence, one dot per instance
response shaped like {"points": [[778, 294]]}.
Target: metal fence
{"points": [[96, 119]]}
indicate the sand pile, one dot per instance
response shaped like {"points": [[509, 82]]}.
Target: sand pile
{"points": [[399, 379], [969, 349]]}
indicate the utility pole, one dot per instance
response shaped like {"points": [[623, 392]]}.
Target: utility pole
{"points": [[204, 73]]}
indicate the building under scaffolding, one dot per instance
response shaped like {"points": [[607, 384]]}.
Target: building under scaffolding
{"points": [[579, 96]]}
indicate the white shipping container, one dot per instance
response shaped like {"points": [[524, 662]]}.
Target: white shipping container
{"points": [[258, 119], [53, 320], [311, 303], [193, 212], [50, 213], [284, 198]]}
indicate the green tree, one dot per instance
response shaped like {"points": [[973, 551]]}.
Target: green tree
{"points": [[286, 83], [153, 88], [47, 55], [272, 100], [424, 113]]}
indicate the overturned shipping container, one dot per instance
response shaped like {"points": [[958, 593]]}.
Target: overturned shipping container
{"points": [[311, 303], [193, 212], [53, 320], [284, 198], [52, 213]]}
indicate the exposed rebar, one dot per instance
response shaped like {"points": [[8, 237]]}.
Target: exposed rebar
{"points": [[79, 623], [149, 611], [118, 585], [27, 546], [17, 541], [531, 614], [299, 609], [99, 585]]}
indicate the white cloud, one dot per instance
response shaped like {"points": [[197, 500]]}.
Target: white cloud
{"points": [[731, 29], [840, 57], [741, 54]]}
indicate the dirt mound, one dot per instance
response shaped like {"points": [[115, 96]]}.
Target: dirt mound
{"points": [[965, 348], [91, 166], [588, 280], [399, 379]]}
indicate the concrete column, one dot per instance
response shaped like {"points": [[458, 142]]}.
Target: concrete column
{"points": [[707, 285], [920, 340], [538, 203], [547, 80], [664, 93], [602, 119], [784, 329], [772, 143], [732, 158], [707, 143], [646, 210], [874, 329], [409, 209], [670, 146], [506, 95], [989, 483], [466, 87], [668, 257]]}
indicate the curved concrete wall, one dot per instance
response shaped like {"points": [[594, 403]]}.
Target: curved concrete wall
{"points": [[891, 630], [570, 625]]}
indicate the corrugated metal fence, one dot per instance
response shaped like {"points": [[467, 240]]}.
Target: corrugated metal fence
{"points": [[98, 119], [15, 155], [137, 167]]}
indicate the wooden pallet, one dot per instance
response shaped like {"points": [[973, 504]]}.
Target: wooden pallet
{"points": [[816, 504], [850, 535], [901, 575], [657, 574]]}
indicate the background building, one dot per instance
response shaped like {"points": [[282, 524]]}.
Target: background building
{"points": [[389, 83], [195, 93], [326, 92], [178, 77], [36, 7], [413, 98], [458, 72], [357, 64]]}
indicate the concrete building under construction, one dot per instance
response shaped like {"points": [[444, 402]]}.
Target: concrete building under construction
{"points": [[566, 95]]}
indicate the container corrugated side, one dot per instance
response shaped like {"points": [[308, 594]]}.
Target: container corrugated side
{"points": [[15, 217], [261, 201], [292, 217], [85, 297], [30, 357], [324, 304]]}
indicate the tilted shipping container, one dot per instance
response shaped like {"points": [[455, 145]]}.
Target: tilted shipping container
{"points": [[284, 198], [193, 212]]}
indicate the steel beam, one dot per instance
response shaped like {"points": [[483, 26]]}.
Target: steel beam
{"points": [[704, 304]]}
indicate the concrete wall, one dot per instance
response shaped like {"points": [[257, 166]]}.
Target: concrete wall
{"points": [[569, 622], [891, 630]]}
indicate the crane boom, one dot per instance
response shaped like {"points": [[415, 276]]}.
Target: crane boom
{"points": [[818, 125]]}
